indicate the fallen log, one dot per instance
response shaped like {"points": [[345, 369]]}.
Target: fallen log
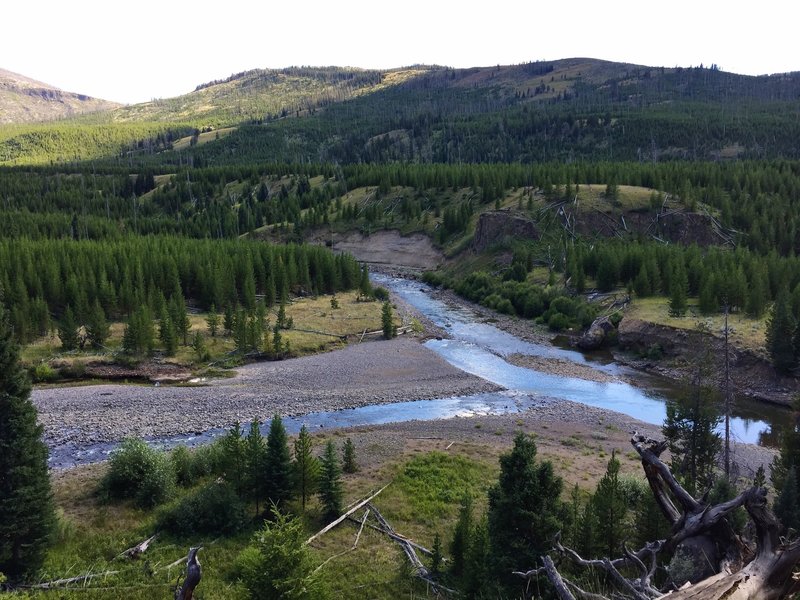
{"points": [[138, 549], [344, 516]]}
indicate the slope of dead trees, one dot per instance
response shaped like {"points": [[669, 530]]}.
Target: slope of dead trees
{"points": [[760, 568]]}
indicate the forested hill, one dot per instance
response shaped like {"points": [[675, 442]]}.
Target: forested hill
{"points": [[24, 100], [560, 110]]}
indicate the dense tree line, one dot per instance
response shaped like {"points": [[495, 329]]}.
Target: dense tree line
{"points": [[42, 278]]}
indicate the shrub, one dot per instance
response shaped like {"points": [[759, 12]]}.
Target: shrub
{"points": [[43, 373], [380, 293], [213, 509], [182, 464], [140, 472], [278, 564], [558, 321]]}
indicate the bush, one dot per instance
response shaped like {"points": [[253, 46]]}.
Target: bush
{"points": [[558, 321], [380, 293], [183, 465], [140, 472], [42, 373], [214, 509]]}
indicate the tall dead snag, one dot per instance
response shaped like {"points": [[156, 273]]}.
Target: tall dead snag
{"points": [[762, 571], [185, 591]]}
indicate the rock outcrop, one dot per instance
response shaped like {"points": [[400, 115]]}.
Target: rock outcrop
{"points": [[494, 225]]}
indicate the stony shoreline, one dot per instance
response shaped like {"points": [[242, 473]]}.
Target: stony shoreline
{"points": [[361, 374]]}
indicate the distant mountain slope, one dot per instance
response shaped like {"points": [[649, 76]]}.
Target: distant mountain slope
{"points": [[569, 109], [25, 100]]}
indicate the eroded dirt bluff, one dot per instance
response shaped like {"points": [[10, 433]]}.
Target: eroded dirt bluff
{"points": [[415, 251], [679, 227], [681, 350], [495, 225]]}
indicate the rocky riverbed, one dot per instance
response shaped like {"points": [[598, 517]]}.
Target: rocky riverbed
{"points": [[358, 375]]}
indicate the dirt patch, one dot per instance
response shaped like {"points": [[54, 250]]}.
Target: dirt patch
{"points": [[674, 353], [389, 248]]}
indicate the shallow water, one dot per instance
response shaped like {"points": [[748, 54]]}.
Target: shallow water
{"points": [[481, 348]]}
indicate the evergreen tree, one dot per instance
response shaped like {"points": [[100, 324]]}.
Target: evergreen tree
{"points": [[278, 565], [787, 504], [780, 330], [611, 510], [180, 318], [364, 285], [97, 328], [349, 464], [525, 511], [138, 336], [212, 321], [306, 466], [387, 320], [330, 483], [199, 347], [459, 545], [477, 578], [234, 459], [789, 455], [279, 464], [436, 556], [256, 462], [167, 334], [26, 508], [678, 291], [691, 433], [68, 330]]}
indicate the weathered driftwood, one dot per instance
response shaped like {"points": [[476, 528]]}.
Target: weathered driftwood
{"points": [[741, 573], [57, 583], [344, 516], [351, 548], [138, 549], [194, 573]]}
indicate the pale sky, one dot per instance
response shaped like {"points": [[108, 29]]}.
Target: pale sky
{"points": [[142, 49]]}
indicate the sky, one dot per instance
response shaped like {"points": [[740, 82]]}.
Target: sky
{"points": [[143, 49]]}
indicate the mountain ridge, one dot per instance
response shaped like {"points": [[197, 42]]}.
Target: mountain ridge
{"points": [[26, 100]]}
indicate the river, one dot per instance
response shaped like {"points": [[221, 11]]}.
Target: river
{"points": [[482, 349]]}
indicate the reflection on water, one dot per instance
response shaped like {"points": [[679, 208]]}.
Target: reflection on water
{"points": [[481, 348]]}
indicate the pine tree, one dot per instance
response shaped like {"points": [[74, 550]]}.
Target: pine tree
{"points": [[212, 320], [138, 336], [387, 320], [330, 483], [167, 334], [279, 464], [306, 466], [349, 464], [436, 556], [611, 510], [26, 508], [477, 578], [780, 330], [787, 504], [678, 291], [691, 433], [199, 347], [97, 328], [525, 510], [68, 331], [234, 457], [180, 318], [278, 564], [364, 285], [256, 461], [459, 545]]}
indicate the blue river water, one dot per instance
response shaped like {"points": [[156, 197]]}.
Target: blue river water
{"points": [[481, 349]]}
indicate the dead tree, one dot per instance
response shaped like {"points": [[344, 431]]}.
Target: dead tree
{"points": [[760, 570], [185, 591]]}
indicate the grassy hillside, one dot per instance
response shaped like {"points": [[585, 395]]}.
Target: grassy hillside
{"points": [[566, 109], [25, 100]]}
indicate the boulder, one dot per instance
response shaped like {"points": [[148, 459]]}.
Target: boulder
{"points": [[596, 334]]}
